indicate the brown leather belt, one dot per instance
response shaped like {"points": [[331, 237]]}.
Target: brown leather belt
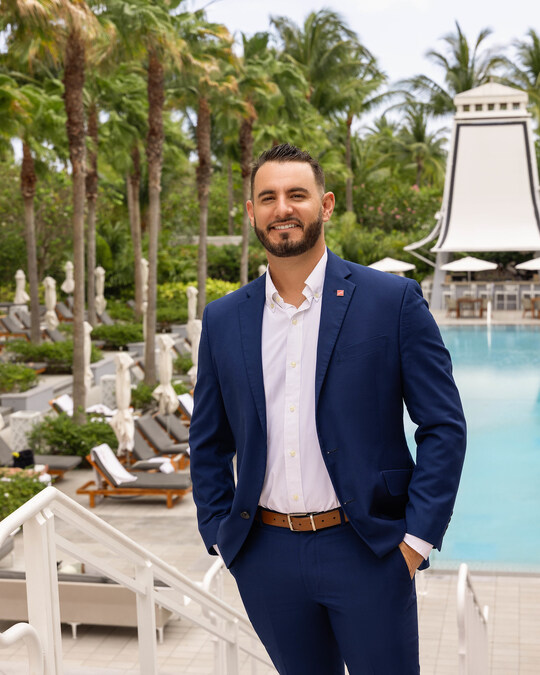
{"points": [[303, 522]]}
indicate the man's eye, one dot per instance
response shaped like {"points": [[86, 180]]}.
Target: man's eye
{"points": [[299, 195]]}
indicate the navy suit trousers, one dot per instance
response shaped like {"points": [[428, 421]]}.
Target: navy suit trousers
{"points": [[319, 600]]}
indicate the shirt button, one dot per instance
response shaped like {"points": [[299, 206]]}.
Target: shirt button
{"points": [[294, 322], [292, 408], [295, 497], [272, 305], [293, 364], [245, 515], [292, 453], [316, 295]]}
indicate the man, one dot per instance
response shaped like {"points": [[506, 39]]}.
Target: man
{"points": [[302, 375]]}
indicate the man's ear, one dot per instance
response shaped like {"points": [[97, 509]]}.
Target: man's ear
{"points": [[250, 212], [328, 203]]}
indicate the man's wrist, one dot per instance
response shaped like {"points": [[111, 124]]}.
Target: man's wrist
{"points": [[422, 547]]}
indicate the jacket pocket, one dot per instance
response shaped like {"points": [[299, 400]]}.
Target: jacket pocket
{"points": [[390, 495]]}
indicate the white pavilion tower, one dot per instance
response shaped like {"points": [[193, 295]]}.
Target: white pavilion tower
{"points": [[491, 196]]}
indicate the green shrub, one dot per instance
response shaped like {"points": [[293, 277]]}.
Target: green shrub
{"points": [[15, 377], [182, 364], [118, 336], [62, 436], [16, 488], [170, 313], [181, 388], [119, 310], [58, 355], [141, 397]]}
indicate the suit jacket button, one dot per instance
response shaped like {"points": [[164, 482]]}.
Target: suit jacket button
{"points": [[245, 515]]}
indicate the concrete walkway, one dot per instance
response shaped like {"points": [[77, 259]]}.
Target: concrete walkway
{"points": [[514, 605]]}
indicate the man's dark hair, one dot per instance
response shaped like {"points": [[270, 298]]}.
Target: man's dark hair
{"points": [[287, 153]]}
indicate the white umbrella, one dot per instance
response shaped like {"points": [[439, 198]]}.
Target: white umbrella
{"points": [[21, 296], [100, 301], [122, 420], [88, 375], [50, 303], [533, 265], [392, 265], [68, 285], [164, 393], [469, 264]]}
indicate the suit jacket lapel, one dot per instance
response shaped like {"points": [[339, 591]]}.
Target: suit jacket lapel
{"points": [[333, 310], [250, 314]]}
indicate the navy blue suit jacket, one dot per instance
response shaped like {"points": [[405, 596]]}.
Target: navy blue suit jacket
{"points": [[378, 347]]}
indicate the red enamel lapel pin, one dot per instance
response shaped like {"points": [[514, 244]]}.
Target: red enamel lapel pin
{"points": [[340, 293]]}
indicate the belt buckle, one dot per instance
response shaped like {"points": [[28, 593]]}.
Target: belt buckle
{"points": [[300, 515]]}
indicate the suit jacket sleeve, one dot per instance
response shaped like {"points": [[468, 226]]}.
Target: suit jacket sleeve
{"points": [[434, 405], [212, 446]]}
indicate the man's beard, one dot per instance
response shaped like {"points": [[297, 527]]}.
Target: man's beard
{"points": [[286, 248]]}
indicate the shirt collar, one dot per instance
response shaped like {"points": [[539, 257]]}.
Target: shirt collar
{"points": [[313, 284]]}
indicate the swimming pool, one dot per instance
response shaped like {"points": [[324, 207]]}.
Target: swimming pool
{"points": [[496, 521]]}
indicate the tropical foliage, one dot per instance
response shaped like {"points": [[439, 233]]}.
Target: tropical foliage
{"points": [[134, 124]]}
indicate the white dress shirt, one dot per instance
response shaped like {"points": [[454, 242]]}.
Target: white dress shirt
{"points": [[296, 480]]}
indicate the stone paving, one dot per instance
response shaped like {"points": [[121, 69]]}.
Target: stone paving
{"points": [[514, 605], [513, 599]]}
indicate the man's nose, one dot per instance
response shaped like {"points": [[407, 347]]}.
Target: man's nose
{"points": [[283, 207]]}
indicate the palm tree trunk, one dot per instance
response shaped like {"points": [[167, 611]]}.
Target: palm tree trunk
{"points": [[73, 99], [348, 161], [204, 171], [154, 154], [134, 208], [245, 141], [230, 196], [91, 198], [419, 170], [28, 189]]}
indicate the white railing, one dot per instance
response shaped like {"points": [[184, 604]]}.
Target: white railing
{"points": [[472, 628], [229, 627]]}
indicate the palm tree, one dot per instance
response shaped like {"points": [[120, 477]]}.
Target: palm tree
{"points": [[148, 32], [255, 74], [204, 84], [320, 47], [525, 74], [419, 149], [464, 67]]}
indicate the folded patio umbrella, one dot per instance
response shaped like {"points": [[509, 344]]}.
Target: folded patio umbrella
{"points": [[21, 296], [122, 421], [164, 393], [68, 285], [50, 303]]}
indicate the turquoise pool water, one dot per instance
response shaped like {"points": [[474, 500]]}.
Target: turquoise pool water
{"points": [[496, 521]]}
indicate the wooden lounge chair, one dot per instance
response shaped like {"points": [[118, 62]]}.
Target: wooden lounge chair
{"points": [[185, 405], [113, 480], [57, 464], [11, 328], [53, 335], [63, 312], [105, 319], [147, 460], [156, 436], [64, 404], [174, 426]]}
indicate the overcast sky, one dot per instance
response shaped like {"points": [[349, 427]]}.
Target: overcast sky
{"points": [[397, 32]]}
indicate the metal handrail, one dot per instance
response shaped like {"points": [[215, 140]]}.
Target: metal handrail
{"points": [[223, 622], [473, 648], [23, 632]]}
